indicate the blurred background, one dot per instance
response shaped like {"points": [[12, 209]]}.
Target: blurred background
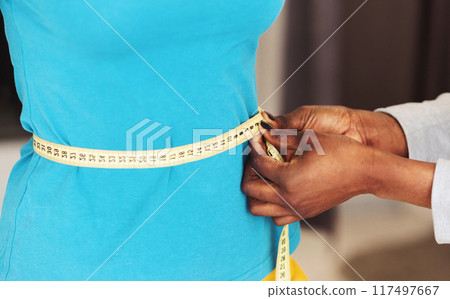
{"points": [[389, 52]]}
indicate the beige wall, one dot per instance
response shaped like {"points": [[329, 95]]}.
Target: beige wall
{"points": [[270, 63]]}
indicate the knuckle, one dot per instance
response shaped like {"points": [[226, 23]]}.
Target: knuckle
{"points": [[245, 187], [256, 163], [253, 160], [290, 186], [282, 121]]}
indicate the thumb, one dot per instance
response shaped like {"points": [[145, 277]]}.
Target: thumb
{"points": [[284, 140]]}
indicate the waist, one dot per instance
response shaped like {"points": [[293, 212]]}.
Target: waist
{"points": [[150, 158]]}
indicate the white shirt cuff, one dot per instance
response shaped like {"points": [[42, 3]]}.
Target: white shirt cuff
{"points": [[426, 126], [440, 202]]}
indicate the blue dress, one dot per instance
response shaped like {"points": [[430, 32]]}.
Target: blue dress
{"points": [[89, 71]]}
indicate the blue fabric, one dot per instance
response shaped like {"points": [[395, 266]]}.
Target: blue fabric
{"points": [[81, 85]]}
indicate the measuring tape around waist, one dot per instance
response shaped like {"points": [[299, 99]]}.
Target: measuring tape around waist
{"points": [[84, 157]]}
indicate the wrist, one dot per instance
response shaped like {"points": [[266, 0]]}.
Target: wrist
{"points": [[398, 178], [380, 130], [365, 180]]}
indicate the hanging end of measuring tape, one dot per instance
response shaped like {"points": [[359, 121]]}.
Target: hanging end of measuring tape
{"points": [[283, 267]]}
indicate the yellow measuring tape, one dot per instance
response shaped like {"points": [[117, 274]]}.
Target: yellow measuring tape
{"points": [[84, 157], [283, 271]]}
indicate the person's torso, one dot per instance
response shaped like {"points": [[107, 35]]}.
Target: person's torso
{"points": [[87, 73]]}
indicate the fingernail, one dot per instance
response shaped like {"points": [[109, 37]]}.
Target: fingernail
{"points": [[266, 125], [270, 115]]}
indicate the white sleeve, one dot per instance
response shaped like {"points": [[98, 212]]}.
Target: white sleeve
{"points": [[427, 130], [440, 202], [426, 126]]}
